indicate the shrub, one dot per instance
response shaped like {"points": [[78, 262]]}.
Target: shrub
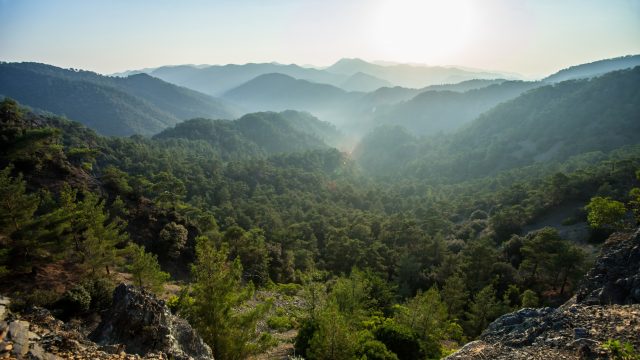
{"points": [[400, 340], [100, 290], [372, 349], [280, 323], [305, 334], [75, 301]]}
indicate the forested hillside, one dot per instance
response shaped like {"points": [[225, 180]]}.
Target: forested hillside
{"points": [[550, 123], [365, 258], [257, 134], [139, 104]]}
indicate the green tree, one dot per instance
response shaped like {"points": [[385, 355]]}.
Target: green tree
{"points": [[334, 339], [426, 315], [16, 206], [174, 237], [484, 309], [101, 236], [218, 295], [605, 213], [529, 299], [145, 269], [455, 296]]}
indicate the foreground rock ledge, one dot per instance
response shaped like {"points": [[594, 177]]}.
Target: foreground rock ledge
{"points": [[143, 324], [607, 307], [138, 326]]}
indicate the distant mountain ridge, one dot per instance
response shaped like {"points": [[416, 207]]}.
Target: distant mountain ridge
{"points": [[139, 104], [545, 124], [348, 74], [434, 111], [595, 68], [277, 92]]}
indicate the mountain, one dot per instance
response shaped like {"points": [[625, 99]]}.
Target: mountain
{"points": [[555, 122], [464, 85], [255, 134], [139, 104], [546, 124], [434, 111], [412, 76], [215, 80], [277, 92], [363, 82], [595, 68]]}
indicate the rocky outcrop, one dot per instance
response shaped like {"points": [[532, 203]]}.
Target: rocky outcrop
{"points": [[607, 306], [138, 326], [143, 324], [615, 277]]}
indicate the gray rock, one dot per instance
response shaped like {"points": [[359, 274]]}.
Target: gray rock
{"points": [[615, 277], [19, 334], [143, 324], [580, 333]]}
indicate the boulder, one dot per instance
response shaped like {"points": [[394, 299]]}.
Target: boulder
{"points": [[615, 277], [144, 325]]}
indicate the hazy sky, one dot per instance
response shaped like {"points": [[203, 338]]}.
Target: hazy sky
{"points": [[531, 37]]}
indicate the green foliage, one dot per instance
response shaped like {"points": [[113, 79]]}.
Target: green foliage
{"points": [[280, 323], [174, 237], [76, 300], [334, 338], [621, 351], [145, 269], [307, 329], [16, 206], [606, 213], [217, 294], [400, 340], [530, 299], [371, 349], [100, 289], [484, 309]]}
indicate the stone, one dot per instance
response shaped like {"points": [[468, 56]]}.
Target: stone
{"points": [[144, 324], [580, 333], [19, 334], [615, 277]]}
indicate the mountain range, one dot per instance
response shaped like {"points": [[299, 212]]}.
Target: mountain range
{"points": [[143, 104], [348, 74], [138, 104]]}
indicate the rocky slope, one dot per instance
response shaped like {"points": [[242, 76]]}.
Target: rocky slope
{"points": [[137, 326], [606, 307]]}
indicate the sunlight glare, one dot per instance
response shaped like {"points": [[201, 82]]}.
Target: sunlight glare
{"points": [[421, 30]]}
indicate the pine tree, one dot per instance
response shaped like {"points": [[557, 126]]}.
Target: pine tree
{"points": [[455, 296], [145, 269], [484, 309], [217, 296], [101, 236], [16, 206]]}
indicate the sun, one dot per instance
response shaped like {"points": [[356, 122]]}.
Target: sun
{"points": [[421, 30]]}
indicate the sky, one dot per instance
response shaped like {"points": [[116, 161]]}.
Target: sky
{"points": [[530, 37]]}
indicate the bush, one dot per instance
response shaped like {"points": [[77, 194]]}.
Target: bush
{"points": [[100, 290], [280, 323], [305, 334], [75, 301], [36, 297], [289, 289], [372, 349], [400, 340]]}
